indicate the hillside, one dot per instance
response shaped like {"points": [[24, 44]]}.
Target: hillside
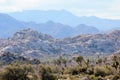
{"points": [[117, 53], [32, 44]]}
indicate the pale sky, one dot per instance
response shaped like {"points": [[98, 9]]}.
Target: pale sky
{"points": [[99, 8]]}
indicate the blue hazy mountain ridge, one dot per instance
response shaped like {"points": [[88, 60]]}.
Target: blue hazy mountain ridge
{"points": [[63, 31], [10, 25], [40, 16], [65, 17], [57, 30], [82, 29]]}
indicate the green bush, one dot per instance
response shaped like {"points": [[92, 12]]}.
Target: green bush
{"points": [[101, 71], [92, 77], [82, 69], [16, 72], [116, 77], [45, 73], [99, 78], [56, 69], [72, 71], [90, 71]]}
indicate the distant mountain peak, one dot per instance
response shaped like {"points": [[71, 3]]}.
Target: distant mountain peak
{"points": [[50, 22]]}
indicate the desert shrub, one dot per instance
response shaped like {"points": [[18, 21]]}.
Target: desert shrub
{"points": [[82, 69], [72, 71], [45, 73], [79, 60], [99, 61], [116, 77], [101, 71], [109, 70], [56, 69], [17, 72], [115, 64], [99, 78], [93, 77], [76, 70], [90, 71], [67, 71]]}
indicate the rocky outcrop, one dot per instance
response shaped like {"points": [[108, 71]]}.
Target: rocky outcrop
{"points": [[32, 44]]}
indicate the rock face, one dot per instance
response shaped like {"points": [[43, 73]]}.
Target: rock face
{"points": [[32, 44]]}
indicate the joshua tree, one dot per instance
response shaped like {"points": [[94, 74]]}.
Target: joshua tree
{"points": [[79, 60], [115, 62], [87, 62], [99, 61]]}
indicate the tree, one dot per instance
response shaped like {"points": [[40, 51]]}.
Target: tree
{"points": [[115, 64], [99, 61], [60, 61], [79, 60], [87, 62]]}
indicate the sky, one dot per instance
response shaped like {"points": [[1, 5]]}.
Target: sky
{"points": [[100, 8]]}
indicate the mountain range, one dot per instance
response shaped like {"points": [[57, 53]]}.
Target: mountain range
{"points": [[42, 34], [59, 24], [10, 25], [65, 17], [32, 44]]}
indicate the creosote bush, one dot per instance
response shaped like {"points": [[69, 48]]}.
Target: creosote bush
{"points": [[74, 70], [90, 71], [45, 73], [116, 77], [101, 71], [16, 72]]}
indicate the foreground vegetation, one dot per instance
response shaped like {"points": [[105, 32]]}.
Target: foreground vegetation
{"points": [[77, 68]]}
